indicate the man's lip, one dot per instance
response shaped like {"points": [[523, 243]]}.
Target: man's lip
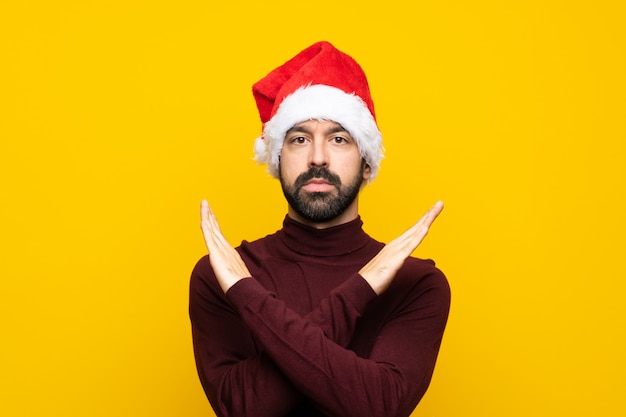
{"points": [[317, 181], [317, 185]]}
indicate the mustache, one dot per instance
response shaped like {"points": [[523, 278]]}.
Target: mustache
{"points": [[317, 172]]}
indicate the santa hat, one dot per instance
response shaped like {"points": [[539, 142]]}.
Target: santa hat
{"points": [[320, 83]]}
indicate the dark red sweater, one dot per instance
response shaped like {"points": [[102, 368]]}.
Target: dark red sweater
{"points": [[307, 336]]}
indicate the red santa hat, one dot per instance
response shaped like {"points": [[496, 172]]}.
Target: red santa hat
{"points": [[320, 83]]}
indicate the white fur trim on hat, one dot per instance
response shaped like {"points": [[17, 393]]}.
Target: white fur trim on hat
{"points": [[321, 102]]}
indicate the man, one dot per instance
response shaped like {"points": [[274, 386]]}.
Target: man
{"points": [[317, 319]]}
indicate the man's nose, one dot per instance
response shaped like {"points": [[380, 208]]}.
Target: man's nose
{"points": [[319, 154]]}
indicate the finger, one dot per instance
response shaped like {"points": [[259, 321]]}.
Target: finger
{"points": [[204, 210], [213, 235], [207, 216], [416, 233], [213, 221], [432, 214], [205, 221], [426, 220], [208, 226]]}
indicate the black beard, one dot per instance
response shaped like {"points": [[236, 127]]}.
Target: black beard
{"points": [[321, 207]]}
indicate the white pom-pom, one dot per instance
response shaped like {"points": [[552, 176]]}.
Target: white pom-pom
{"points": [[260, 150]]}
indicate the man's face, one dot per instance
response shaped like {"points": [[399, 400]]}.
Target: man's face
{"points": [[321, 172]]}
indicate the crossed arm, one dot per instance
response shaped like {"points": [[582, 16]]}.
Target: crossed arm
{"points": [[289, 346], [229, 268]]}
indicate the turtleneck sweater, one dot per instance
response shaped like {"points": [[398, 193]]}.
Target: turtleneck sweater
{"points": [[306, 335]]}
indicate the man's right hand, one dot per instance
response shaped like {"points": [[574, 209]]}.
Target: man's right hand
{"points": [[381, 270], [227, 265]]}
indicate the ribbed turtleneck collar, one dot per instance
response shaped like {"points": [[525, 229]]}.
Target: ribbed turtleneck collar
{"points": [[333, 241]]}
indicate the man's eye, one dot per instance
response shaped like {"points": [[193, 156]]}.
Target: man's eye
{"points": [[340, 139], [298, 139]]}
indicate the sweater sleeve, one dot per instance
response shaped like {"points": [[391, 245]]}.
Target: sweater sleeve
{"points": [[388, 383], [238, 377], [337, 314]]}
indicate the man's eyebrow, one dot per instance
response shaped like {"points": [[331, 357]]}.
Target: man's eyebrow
{"points": [[298, 128], [337, 129], [333, 129]]}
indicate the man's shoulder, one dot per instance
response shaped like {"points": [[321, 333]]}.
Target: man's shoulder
{"points": [[421, 282], [420, 264], [258, 242], [259, 249], [423, 273]]}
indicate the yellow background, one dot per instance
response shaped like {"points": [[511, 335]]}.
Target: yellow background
{"points": [[118, 117]]}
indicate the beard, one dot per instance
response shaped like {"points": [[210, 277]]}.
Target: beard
{"points": [[321, 207]]}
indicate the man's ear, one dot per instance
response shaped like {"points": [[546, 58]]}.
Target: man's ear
{"points": [[367, 171]]}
